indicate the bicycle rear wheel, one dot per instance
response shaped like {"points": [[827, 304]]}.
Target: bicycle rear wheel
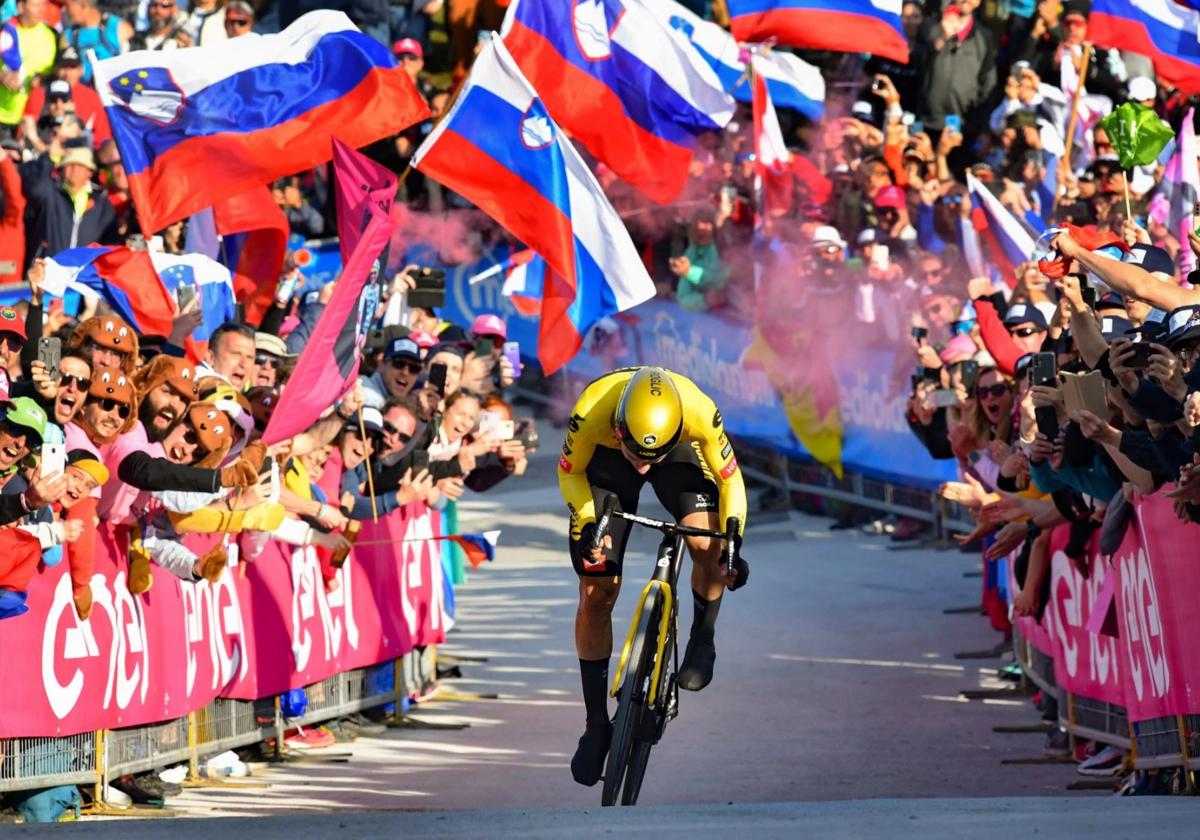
{"points": [[632, 704]]}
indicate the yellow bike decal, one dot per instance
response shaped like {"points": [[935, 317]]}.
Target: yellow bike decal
{"points": [[663, 624]]}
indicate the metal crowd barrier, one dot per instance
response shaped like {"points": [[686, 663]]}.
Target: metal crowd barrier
{"points": [[94, 758]]}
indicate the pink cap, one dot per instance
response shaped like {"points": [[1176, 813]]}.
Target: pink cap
{"points": [[958, 349], [408, 45], [289, 324], [423, 340], [489, 325], [891, 196]]}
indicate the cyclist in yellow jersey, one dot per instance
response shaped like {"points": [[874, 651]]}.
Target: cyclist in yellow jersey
{"points": [[630, 427]]}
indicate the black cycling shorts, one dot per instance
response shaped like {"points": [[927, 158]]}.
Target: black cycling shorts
{"points": [[682, 483]]}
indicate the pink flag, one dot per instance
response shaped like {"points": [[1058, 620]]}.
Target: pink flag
{"points": [[329, 364], [1182, 188], [360, 182]]}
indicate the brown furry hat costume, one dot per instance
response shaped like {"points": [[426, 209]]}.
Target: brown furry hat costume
{"points": [[109, 384], [111, 332]]}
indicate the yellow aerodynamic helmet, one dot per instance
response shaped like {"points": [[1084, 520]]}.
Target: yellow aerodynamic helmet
{"points": [[649, 418]]}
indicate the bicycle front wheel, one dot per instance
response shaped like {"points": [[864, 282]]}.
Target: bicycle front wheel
{"points": [[633, 704]]}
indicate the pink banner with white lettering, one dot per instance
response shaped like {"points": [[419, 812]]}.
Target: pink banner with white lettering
{"points": [[263, 628]]}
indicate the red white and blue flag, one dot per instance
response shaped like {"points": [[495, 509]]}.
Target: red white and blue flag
{"points": [[480, 547], [200, 125], [840, 25], [1010, 240], [622, 82], [254, 234], [498, 148], [524, 276], [792, 82], [773, 171], [213, 282], [1164, 30], [122, 278]]}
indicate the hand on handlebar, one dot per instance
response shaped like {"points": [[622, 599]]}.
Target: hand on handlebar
{"points": [[593, 558]]}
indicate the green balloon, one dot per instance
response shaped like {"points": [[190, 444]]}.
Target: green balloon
{"points": [[1137, 134]]}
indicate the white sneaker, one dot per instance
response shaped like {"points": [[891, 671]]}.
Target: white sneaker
{"points": [[1104, 763], [117, 798], [174, 775]]}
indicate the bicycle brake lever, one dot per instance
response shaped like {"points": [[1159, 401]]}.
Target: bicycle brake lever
{"points": [[610, 504], [731, 534]]}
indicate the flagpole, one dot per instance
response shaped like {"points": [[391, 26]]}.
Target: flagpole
{"points": [[362, 430], [1071, 123]]}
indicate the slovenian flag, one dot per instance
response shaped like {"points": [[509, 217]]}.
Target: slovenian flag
{"points": [[1164, 30], [1011, 240], [524, 275], [498, 148], [213, 282], [200, 125], [479, 547], [856, 26], [123, 278], [622, 82], [791, 82]]}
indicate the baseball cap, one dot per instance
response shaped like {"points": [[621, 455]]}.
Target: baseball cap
{"points": [[958, 348], [828, 235], [1021, 313], [1114, 327], [1152, 258], [23, 411], [1110, 300], [489, 324], [69, 56], [891, 196], [12, 322], [408, 46], [1142, 87], [372, 420], [1183, 324], [403, 348], [58, 89], [863, 111], [89, 463]]}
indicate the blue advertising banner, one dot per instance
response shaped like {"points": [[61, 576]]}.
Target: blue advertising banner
{"points": [[712, 352]]}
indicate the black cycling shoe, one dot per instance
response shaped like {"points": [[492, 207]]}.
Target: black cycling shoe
{"points": [[587, 765], [697, 669]]}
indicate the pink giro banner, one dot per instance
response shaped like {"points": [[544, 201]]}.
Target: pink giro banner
{"points": [[266, 626], [1120, 628]]}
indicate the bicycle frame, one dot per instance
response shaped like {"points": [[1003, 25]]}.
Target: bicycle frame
{"points": [[665, 578]]}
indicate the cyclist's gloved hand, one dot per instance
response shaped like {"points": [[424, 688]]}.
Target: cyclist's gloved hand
{"points": [[587, 534], [741, 571]]}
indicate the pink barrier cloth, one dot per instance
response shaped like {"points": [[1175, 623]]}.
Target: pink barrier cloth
{"points": [[1149, 666], [263, 628]]}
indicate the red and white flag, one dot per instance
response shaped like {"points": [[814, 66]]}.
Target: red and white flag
{"points": [[774, 178]]}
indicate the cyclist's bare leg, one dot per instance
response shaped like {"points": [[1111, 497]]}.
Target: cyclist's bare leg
{"points": [[593, 619], [708, 578]]}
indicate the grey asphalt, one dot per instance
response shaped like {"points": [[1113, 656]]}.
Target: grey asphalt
{"points": [[835, 708]]}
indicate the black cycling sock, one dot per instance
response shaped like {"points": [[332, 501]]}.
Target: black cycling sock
{"points": [[704, 621], [594, 674]]}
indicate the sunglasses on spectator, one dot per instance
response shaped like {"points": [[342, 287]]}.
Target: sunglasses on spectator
{"points": [[266, 359], [80, 382], [1025, 332], [238, 22], [411, 367], [391, 429], [163, 5], [997, 390], [191, 439], [106, 404]]}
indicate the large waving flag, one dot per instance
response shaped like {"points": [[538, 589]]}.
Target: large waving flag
{"points": [[213, 282], [329, 363], [1010, 239], [622, 82], [498, 148], [199, 125], [524, 277], [254, 234], [1181, 183], [122, 278], [840, 25], [792, 82], [1164, 30], [772, 159]]}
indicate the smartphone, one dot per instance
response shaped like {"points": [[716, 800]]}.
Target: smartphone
{"points": [[919, 334], [185, 293], [489, 424], [953, 122], [917, 127], [678, 245], [1043, 370], [437, 378], [512, 352], [54, 459], [969, 374], [430, 291], [484, 347], [49, 353], [729, 193], [945, 398], [1142, 351], [526, 432], [880, 255], [420, 461]]}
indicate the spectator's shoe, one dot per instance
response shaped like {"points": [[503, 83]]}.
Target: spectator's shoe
{"points": [[342, 731], [697, 669], [156, 787], [366, 726], [213, 563], [311, 738], [140, 578], [587, 765], [1058, 745], [83, 601], [909, 529], [1107, 762], [137, 795]]}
